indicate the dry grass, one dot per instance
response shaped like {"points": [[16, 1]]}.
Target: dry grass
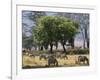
{"points": [[29, 62]]}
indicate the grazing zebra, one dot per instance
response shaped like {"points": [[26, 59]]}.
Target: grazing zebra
{"points": [[43, 57], [62, 56], [83, 59], [32, 55], [52, 61]]}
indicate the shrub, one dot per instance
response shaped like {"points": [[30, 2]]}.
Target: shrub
{"points": [[77, 51]]}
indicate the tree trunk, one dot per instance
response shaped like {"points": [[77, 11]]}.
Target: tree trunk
{"points": [[51, 48], [72, 42], [46, 47], [87, 43], [83, 36], [86, 38], [84, 43], [41, 48], [63, 45]]}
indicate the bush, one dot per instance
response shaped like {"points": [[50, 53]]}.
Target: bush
{"points": [[69, 51], [77, 51]]}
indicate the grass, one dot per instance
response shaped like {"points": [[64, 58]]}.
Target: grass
{"points": [[29, 62]]}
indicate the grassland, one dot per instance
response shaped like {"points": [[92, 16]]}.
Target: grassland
{"points": [[35, 62]]}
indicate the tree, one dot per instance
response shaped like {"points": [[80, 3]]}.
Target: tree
{"points": [[31, 16], [83, 20], [53, 29], [67, 31], [45, 31]]}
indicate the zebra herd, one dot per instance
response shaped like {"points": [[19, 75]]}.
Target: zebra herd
{"points": [[52, 59]]}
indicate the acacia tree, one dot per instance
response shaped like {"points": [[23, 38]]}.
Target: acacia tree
{"points": [[53, 29], [83, 20], [67, 31], [45, 31]]}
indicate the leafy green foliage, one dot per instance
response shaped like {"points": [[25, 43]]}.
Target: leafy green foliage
{"points": [[77, 51], [52, 29]]}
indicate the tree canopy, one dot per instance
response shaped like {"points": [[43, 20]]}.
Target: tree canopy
{"points": [[53, 29]]}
